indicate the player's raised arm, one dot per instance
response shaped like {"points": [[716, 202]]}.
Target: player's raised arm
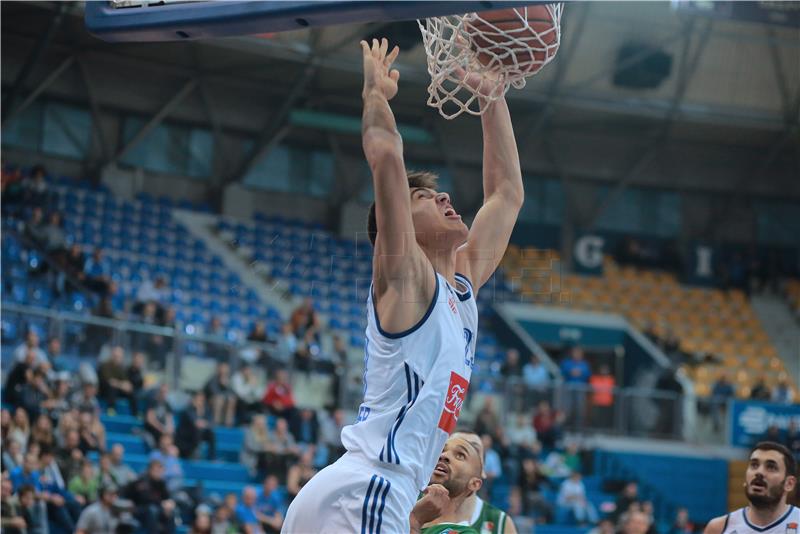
{"points": [[399, 265], [503, 195]]}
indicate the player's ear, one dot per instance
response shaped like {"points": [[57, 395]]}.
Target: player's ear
{"points": [[790, 483], [475, 484]]}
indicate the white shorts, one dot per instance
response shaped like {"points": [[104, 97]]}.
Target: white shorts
{"points": [[352, 496]]}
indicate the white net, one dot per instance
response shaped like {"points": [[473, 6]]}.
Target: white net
{"points": [[479, 56]]}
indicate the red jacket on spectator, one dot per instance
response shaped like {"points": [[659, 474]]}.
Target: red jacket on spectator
{"points": [[279, 393]]}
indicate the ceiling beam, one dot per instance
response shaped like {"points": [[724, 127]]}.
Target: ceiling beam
{"points": [[39, 89], [94, 106], [156, 119]]}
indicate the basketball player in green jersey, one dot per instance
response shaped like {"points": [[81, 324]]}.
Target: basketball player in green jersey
{"points": [[459, 472]]}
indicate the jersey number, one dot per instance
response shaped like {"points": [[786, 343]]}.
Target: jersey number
{"points": [[469, 358]]}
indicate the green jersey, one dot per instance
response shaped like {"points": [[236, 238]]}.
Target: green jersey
{"points": [[487, 519]]}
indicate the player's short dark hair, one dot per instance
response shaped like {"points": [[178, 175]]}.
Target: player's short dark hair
{"points": [[415, 179], [788, 458]]}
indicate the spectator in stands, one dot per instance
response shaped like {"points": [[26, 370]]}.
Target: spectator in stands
{"points": [[216, 330], [34, 227], [532, 482], [69, 455], [154, 345], [99, 518], [36, 192], [783, 393], [257, 449], [58, 403], [629, 496], [120, 472], [219, 392], [158, 418], [773, 434], [154, 508], [287, 344], [331, 434], [33, 510], [300, 473], [98, 272], [54, 352], [167, 454], [85, 400], [249, 393], [13, 454], [55, 240], [548, 424], [247, 513], [285, 448], [31, 344], [73, 269], [487, 421], [336, 365], [279, 398], [271, 503], [522, 437], [535, 375], [573, 503], [305, 322], [305, 428], [194, 427], [19, 429], [636, 522], [84, 485], [492, 467], [154, 292], [511, 367], [202, 520], [224, 520], [114, 381], [17, 378], [12, 520], [53, 481], [135, 375], [28, 475], [576, 373], [602, 384], [42, 432], [720, 393], [760, 391], [605, 526], [97, 335], [92, 432], [34, 392]]}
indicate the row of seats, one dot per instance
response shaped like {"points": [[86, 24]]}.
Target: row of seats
{"points": [[704, 320]]}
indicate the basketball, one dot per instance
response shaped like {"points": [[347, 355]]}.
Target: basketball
{"points": [[525, 37]]}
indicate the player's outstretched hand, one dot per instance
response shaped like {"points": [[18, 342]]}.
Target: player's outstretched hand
{"points": [[378, 71], [431, 505]]}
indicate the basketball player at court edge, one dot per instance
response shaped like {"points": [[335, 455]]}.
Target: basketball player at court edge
{"points": [[769, 480], [451, 503], [422, 319]]}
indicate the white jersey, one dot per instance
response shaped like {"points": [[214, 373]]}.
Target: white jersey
{"points": [[414, 384], [739, 523]]}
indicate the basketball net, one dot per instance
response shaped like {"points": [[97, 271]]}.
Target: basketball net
{"points": [[454, 43]]}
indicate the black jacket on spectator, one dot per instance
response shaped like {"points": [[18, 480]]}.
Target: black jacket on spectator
{"points": [[14, 383], [304, 430], [146, 491]]}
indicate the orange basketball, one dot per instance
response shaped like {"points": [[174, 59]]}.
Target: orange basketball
{"points": [[523, 36]]}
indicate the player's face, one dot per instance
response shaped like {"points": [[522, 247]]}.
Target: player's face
{"points": [[458, 469], [436, 222], [766, 481]]}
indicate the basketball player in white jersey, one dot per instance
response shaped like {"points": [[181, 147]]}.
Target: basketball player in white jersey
{"points": [[422, 319], [771, 476]]}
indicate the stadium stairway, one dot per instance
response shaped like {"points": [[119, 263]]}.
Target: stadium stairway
{"points": [[782, 329]]}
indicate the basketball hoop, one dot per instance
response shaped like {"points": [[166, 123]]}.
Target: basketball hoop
{"points": [[503, 47]]}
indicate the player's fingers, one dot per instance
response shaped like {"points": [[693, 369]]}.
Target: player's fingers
{"points": [[394, 75], [392, 56], [384, 47], [376, 49], [364, 49]]}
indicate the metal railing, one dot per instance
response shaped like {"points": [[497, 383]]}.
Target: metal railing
{"points": [[166, 346]]}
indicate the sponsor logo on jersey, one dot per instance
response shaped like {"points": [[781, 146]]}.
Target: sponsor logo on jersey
{"points": [[791, 528], [488, 527], [456, 392], [452, 303]]}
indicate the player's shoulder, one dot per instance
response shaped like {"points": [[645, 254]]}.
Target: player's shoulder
{"points": [[717, 525]]}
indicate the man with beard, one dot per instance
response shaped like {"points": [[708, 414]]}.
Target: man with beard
{"points": [[459, 473], [770, 478]]}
